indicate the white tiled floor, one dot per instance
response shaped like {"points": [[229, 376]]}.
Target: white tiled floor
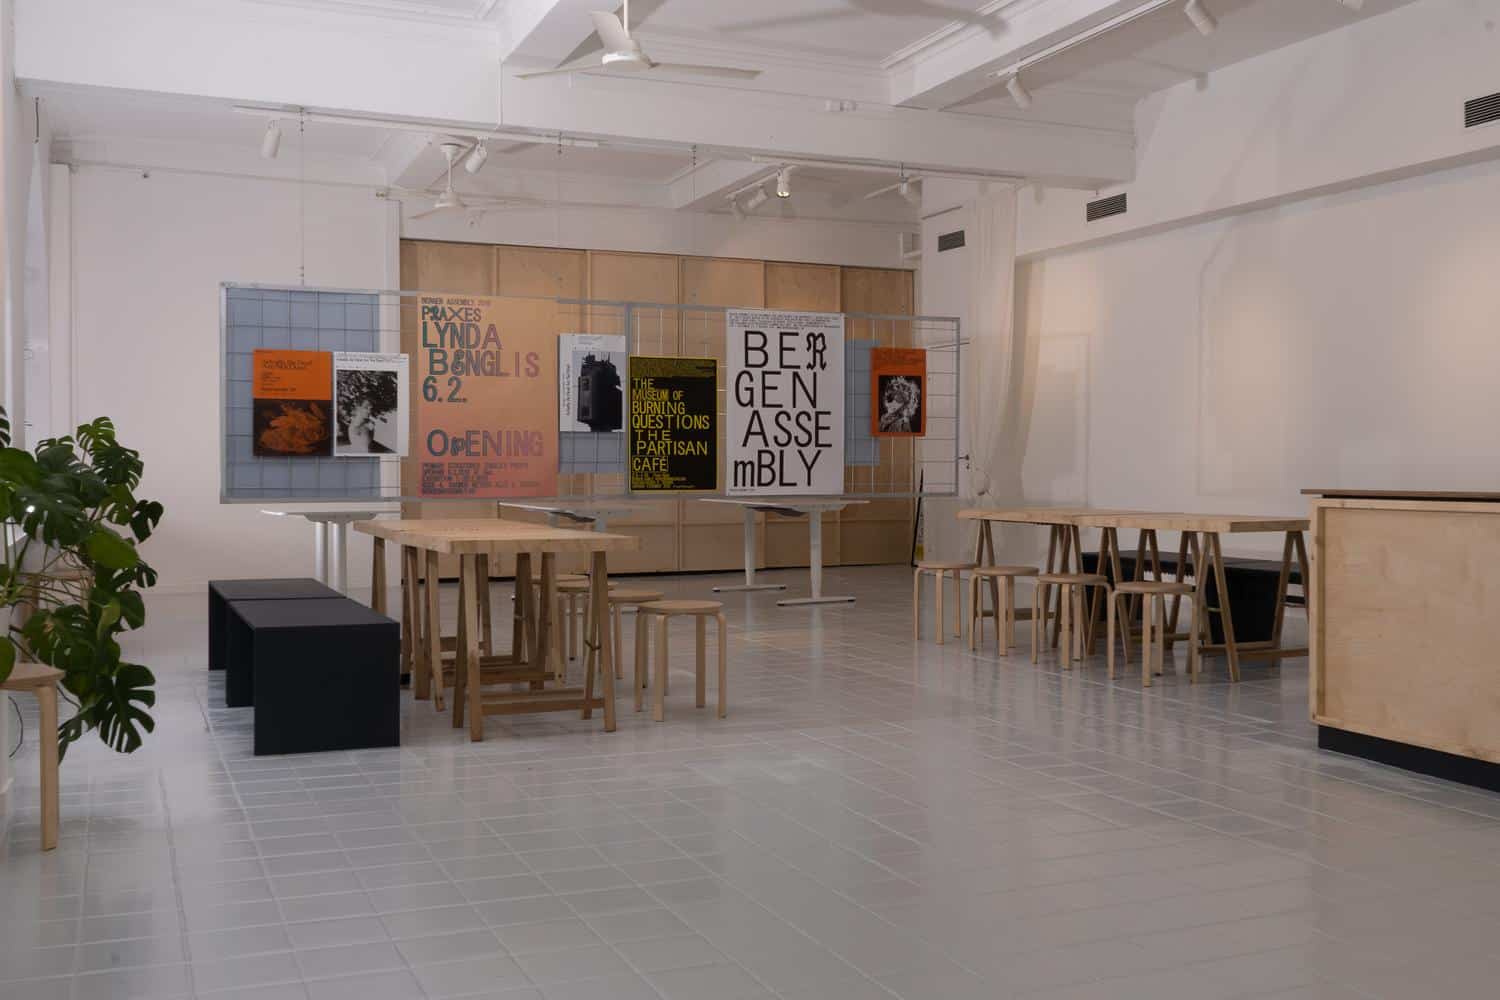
{"points": [[877, 818]]}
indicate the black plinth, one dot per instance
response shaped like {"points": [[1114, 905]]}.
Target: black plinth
{"points": [[324, 675], [1433, 763], [221, 592]]}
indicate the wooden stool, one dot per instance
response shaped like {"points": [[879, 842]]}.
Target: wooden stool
{"points": [[938, 570], [701, 611], [569, 593], [619, 600], [1005, 607], [42, 680], [1074, 633], [1153, 594]]}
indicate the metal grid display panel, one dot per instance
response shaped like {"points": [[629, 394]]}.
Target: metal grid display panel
{"points": [[300, 320], [592, 465]]}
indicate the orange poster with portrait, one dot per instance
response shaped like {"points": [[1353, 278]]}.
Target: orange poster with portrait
{"points": [[291, 399], [486, 371], [898, 390]]}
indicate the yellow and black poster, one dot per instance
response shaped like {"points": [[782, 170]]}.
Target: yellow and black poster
{"points": [[674, 430]]}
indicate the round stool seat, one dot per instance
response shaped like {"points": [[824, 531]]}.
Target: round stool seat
{"points": [[634, 596], [570, 577], [944, 565], [682, 607], [1168, 587], [987, 571], [1077, 579]]}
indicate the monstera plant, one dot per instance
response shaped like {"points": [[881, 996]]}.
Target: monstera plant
{"points": [[72, 577]]}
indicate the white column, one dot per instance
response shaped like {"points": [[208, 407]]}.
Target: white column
{"points": [[320, 551]]}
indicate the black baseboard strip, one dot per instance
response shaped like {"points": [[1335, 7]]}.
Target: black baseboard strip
{"points": [[1433, 763]]}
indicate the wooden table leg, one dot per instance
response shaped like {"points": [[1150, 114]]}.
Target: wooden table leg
{"points": [[377, 577], [469, 568], [1064, 541], [548, 655], [460, 647], [599, 578], [1182, 557], [411, 627], [1200, 608], [46, 697], [486, 640], [1226, 617], [432, 630], [520, 641], [1281, 585]]}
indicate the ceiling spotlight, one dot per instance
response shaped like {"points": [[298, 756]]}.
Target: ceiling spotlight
{"points": [[474, 162], [1018, 92], [736, 210], [784, 182], [909, 190], [757, 198], [1202, 19], [270, 143]]}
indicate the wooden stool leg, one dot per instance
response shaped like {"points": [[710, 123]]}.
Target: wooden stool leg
{"points": [[1005, 629], [916, 605], [460, 676], [701, 690], [1065, 625], [974, 623], [616, 616], [1148, 638], [1036, 620], [1109, 635], [938, 625], [958, 604], [1195, 662], [46, 697], [659, 696], [1160, 653], [642, 651], [723, 665], [432, 629]]}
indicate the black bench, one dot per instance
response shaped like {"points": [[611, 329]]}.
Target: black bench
{"points": [[1252, 591], [222, 592], [323, 675]]}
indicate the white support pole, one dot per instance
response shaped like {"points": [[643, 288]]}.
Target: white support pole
{"points": [[815, 565], [339, 556], [749, 583], [320, 551]]}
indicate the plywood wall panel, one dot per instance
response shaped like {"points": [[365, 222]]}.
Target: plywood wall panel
{"points": [[813, 287]]}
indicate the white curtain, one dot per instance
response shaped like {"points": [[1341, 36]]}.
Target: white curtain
{"points": [[993, 472]]}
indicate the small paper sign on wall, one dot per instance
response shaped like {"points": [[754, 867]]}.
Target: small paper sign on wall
{"points": [[786, 403]]}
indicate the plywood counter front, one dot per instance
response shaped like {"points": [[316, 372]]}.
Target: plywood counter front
{"points": [[1405, 621]]}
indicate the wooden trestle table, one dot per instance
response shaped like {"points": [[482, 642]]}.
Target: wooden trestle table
{"points": [[534, 660], [1200, 540]]}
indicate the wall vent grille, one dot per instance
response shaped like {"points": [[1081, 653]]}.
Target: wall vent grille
{"points": [[1482, 110], [1104, 208]]}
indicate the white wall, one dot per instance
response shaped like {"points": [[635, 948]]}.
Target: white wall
{"points": [[148, 255], [1349, 340]]}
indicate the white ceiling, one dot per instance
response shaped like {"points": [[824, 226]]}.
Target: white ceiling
{"points": [[475, 11]]}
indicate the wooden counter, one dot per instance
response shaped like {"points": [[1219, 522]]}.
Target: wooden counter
{"points": [[1405, 629]]}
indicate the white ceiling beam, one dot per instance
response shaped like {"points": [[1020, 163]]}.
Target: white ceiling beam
{"points": [[450, 77], [710, 184], [547, 30], [958, 65]]}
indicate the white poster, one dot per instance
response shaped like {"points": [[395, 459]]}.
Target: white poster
{"points": [[786, 403], [590, 389], [369, 400]]}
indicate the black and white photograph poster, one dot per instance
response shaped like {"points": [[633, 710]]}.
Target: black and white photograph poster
{"points": [[786, 403], [370, 403], [591, 383]]}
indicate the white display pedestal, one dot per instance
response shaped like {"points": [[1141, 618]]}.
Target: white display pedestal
{"points": [[813, 510], [331, 537]]}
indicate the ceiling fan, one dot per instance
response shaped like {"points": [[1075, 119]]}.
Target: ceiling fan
{"points": [[622, 52], [447, 199]]}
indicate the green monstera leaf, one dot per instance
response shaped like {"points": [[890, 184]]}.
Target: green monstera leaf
{"points": [[73, 525]]}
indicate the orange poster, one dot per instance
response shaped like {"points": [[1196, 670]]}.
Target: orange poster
{"points": [[291, 395], [898, 390], [486, 372]]}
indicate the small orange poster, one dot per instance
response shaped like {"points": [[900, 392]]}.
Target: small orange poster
{"points": [[487, 413], [898, 390], [291, 395]]}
